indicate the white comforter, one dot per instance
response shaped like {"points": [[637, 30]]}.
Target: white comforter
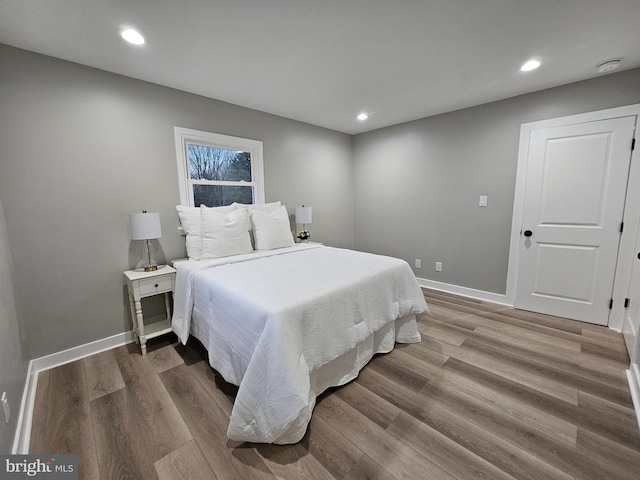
{"points": [[282, 325]]}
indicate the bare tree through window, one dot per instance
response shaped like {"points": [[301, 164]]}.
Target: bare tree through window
{"points": [[219, 164], [217, 170]]}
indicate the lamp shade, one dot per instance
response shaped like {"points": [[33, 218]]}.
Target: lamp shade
{"points": [[303, 215], [145, 226]]}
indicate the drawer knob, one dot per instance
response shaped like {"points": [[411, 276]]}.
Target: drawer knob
{"points": [[156, 285]]}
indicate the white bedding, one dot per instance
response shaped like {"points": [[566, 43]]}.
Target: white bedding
{"points": [[286, 324]]}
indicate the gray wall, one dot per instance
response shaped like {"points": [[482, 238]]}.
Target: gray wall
{"points": [[417, 185], [13, 365], [82, 148]]}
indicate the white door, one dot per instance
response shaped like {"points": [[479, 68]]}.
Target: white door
{"points": [[631, 324], [575, 192]]}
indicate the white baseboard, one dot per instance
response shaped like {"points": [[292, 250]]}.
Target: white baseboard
{"points": [[81, 351], [23, 430], [633, 377], [25, 416], [465, 292]]}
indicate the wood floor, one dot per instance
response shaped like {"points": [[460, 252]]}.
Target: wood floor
{"points": [[490, 393]]}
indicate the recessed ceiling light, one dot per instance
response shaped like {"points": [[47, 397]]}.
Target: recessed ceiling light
{"points": [[608, 66], [362, 116], [530, 65], [132, 36]]}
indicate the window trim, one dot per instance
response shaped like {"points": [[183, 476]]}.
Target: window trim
{"points": [[184, 136]]}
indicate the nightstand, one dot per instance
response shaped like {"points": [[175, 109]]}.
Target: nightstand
{"points": [[143, 284]]}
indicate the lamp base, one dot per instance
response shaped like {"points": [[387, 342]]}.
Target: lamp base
{"points": [[151, 268]]}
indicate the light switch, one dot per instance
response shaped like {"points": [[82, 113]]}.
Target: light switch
{"points": [[483, 201]]}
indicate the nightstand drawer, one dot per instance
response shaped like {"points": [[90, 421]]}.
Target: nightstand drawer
{"points": [[151, 286]]}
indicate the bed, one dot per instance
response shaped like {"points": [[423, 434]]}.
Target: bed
{"points": [[284, 324]]}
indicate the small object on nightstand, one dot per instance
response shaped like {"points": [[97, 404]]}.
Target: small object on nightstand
{"points": [[141, 284]]}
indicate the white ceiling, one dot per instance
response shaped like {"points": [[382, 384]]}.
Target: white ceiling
{"points": [[324, 61]]}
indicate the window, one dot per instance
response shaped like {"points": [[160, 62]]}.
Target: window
{"points": [[216, 170]]}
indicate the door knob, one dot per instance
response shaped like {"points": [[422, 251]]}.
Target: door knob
{"points": [[528, 233]]}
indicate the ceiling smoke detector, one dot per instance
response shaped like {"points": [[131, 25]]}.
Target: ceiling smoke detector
{"points": [[608, 66]]}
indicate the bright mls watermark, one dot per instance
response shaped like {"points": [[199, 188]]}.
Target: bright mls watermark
{"points": [[50, 467]]}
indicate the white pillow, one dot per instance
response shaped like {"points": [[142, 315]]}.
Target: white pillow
{"points": [[272, 229], [190, 223], [252, 207], [225, 234], [265, 207]]}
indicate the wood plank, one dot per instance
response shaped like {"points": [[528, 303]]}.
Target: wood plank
{"points": [[551, 372], [334, 452], [585, 417], [403, 360], [445, 334], [368, 403], [598, 349], [222, 392], [595, 368], [534, 418], [611, 420], [608, 337], [69, 427], [535, 321], [567, 345], [602, 370], [366, 468], [208, 424], [554, 453], [394, 456], [39, 416], [293, 461], [41, 400], [185, 463], [425, 351], [545, 337], [463, 304], [622, 462], [529, 348], [123, 452], [401, 374], [193, 352], [430, 409], [159, 421], [103, 374], [443, 451], [441, 312], [165, 358], [514, 373]]}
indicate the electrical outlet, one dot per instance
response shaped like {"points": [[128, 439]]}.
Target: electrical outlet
{"points": [[438, 266], [5, 407], [418, 263], [483, 201]]}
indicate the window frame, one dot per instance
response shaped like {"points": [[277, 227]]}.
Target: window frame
{"points": [[185, 136]]}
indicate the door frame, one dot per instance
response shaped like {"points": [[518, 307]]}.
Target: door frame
{"points": [[631, 215]]}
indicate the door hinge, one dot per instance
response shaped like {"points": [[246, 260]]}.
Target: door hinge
{"points": [[633, 144], [621, 226], [610, 304], [626, 303]]}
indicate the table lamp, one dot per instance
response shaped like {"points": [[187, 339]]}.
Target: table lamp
{"points": [[146, 226], [303, 216]]}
